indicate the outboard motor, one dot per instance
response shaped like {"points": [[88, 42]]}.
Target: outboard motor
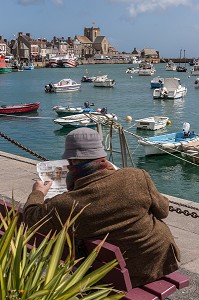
{"points": [[49, 88], [104, 110], [86, 104], [185, 129]]}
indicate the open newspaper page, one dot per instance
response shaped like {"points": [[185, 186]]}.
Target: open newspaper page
{"points": [[55, 170]]}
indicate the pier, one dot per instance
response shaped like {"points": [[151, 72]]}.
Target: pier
{"points": [[18, 175]]}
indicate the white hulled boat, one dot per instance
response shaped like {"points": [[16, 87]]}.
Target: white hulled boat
{"points": [[172, 89], [146, 69], [64, 85], [168, 143], [103, 81]]}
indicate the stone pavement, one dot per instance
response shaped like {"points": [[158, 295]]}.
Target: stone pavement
{"points": [[17, 177]]}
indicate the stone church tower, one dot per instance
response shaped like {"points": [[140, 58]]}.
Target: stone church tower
{"points": [[92, 33]]}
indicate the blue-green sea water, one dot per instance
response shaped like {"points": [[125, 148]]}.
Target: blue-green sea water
{"points": [[132, 96]]}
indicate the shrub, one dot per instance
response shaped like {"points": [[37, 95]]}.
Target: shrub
{"points": [[37, 272]]}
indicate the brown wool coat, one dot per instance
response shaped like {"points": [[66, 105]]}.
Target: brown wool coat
{"points": [[124, 203]]}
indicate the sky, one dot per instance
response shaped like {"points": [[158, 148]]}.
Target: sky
{"points": [[165, 25]]}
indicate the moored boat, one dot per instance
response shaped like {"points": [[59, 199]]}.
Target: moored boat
{"points": [[170, 66], [168, 143], [157, 82], [132, 70], [90, 119], [195, 69], [172, 89], [103, 81], [68, 110], [19, 108], [64, 85], [146, 69], [152, 123], [28, 67], [69, 62], [4, 66]]}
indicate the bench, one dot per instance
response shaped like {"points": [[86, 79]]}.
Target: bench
{"points": [[119, 276]]}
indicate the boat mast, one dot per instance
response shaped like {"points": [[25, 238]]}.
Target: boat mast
{"points": [[180, 56], [184, 58]]}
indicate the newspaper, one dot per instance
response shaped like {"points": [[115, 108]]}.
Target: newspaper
{"points": [[55, 170]]}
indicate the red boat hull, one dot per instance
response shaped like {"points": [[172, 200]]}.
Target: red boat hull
{"points": [[19, 108]]}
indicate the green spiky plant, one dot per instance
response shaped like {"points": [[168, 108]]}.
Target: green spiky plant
{"points": [[38, 273]]}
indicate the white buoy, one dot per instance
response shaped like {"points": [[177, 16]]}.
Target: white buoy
{"points": [[128, 118]]}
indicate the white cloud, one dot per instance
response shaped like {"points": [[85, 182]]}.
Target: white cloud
{"points": [[136, 7]]}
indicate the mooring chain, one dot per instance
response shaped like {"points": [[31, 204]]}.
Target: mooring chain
{"points": [[23, 147], [184, 212]]}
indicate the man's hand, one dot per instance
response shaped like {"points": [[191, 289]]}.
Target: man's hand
{"points": [[42, 187]]}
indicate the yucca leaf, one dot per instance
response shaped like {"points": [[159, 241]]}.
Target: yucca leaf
{"points": [[16, 264], [84, 267], [2, 285], [56, 255], [7, 237], [88, 280], [38, 294], [116, 296], [43, 260], [98, 295]]}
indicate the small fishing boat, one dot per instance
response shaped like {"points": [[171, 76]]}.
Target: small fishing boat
{"points": [[170, 66], [90, 119], [168, 143], [157, 82], [68, 110], [87, 78], [4, 66], [195, 70], [28, 67], [19, 108], [180, 68], [172, 89], [152, 123], [132, 70], [103, 81], [146, 69], [64, 85]]}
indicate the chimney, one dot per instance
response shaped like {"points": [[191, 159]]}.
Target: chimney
{"points": [[28, 34]]}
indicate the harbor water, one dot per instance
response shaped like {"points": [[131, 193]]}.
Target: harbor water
{"points": [[132, 96]]}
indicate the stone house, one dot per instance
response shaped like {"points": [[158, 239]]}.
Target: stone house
{"points": [[150, 54], [21, 47], [4, 48]]}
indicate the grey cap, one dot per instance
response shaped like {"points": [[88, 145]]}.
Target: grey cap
{"points": [[83, 143]]}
